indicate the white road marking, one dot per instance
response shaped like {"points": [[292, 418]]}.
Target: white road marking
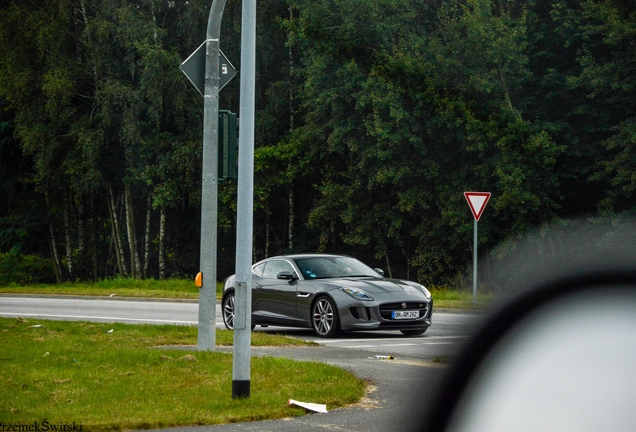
{"points": [[358, 346], [439, 343], [404, 344]]}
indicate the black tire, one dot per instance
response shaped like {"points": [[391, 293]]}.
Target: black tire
{"points": [[227, 309], [413, 332], [324, 317]]}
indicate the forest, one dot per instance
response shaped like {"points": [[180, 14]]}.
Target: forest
{"points": [[372, 119]]}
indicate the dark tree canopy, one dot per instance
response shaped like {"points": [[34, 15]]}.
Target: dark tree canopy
{"points": [[373, 117]]}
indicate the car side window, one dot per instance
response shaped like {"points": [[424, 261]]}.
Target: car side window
{"points": [[272, 268], [258, 270]]}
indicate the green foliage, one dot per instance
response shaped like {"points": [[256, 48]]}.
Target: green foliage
{"points": [[19, 269], [372, 118]]}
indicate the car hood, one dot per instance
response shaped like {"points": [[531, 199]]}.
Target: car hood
{"points": [[376, 286]]}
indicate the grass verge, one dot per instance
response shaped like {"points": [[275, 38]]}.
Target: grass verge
{"points": [[446, 298], [65, 372], [120, 287], [185, 289]]}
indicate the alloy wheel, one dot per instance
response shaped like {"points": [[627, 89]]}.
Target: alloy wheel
{"points": [[324, 318], [228, 311]]}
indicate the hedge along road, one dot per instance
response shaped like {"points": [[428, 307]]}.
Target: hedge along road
{"points": [[400, 389]]}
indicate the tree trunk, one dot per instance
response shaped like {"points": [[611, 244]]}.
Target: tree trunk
{"points": [[57, 266], [147, 236], [67, 237], [162, 235], [111, 248], [54, 255], [388, 264], [132, 237], [114, 223]]}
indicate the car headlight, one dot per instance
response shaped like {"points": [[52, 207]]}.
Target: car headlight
{"points": [[356, 293], [426, 292]]}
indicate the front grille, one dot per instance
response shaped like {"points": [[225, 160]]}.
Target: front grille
{"points": [[398, 306], [387, 308]]}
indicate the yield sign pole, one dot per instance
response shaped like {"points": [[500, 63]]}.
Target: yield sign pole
{"points": [[477, 202]]}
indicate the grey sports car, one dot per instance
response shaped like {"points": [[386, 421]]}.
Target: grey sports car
{"points": [[331, 293]]}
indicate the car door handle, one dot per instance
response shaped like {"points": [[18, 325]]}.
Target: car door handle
{"points": [[302, 295]]}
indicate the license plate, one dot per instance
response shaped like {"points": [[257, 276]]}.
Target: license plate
{"points": [[405, 314]]}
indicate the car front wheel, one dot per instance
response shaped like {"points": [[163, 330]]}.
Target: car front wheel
{"points": [[227, 306], [324, 318]]}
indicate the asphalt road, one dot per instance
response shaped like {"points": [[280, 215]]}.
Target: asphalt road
{"points": [[399, 392]]}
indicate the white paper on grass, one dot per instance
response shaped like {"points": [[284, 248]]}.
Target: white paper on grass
{"points": [[309, 406]]}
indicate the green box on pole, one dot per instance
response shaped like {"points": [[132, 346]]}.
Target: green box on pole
{"points": [[227, 145]]}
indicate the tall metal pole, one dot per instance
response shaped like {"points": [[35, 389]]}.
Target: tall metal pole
{"points": [[209, 187], [245, 204], [475, 263]]}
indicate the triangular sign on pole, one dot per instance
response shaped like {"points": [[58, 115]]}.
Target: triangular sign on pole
{"points": [[477, 202], [194, 69]]}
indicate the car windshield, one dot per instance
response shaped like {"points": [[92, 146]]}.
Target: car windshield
{"points": [[333, 267]]}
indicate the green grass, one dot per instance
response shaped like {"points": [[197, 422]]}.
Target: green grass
{"points": [[65, 372], [445, 297], [185, 289], [122, 287]]}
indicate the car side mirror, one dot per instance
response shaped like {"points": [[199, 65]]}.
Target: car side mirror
{"points": [[565, 362], [287, 275], [557, 354], [379, 270]]}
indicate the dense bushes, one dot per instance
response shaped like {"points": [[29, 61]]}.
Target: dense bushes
{"points": [[25, 269]]}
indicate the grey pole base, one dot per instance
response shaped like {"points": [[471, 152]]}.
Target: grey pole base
{"points": [[240, 389]]}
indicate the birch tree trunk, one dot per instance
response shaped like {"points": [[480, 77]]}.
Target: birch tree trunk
{"points": [[132, 237], [54, 255], [119, 251], [388, 264], [67, 237], [52, 243]]}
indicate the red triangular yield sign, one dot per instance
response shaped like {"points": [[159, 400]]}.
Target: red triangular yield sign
{"points": [[477, 202]]}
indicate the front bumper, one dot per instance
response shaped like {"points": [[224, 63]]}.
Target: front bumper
{"points": [[378, 317]]}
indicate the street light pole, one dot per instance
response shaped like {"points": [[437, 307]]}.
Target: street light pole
{"points": [[245, 206], [209, 187]]}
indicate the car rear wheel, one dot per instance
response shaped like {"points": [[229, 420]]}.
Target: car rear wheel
{"points": [[324, 317], [412, 332]]}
